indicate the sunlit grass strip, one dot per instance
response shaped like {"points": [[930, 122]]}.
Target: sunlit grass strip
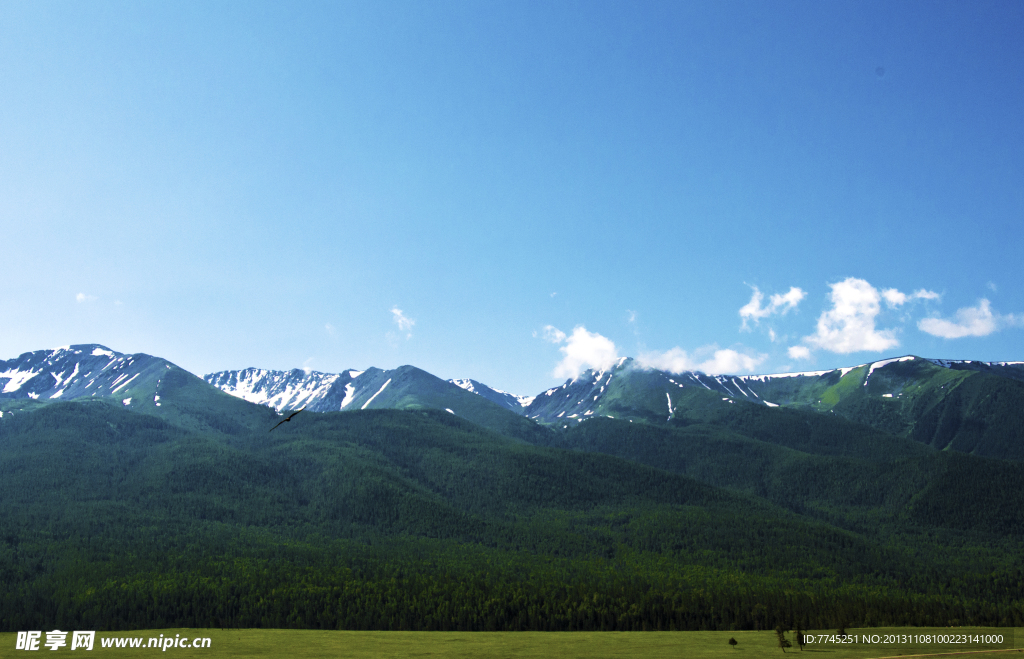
{"points": [[304, 644]]}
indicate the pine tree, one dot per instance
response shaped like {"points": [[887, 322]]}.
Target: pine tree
{"points": [[783, 642]]}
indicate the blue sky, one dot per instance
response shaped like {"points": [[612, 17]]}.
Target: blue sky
{"points": [[513, 191]]}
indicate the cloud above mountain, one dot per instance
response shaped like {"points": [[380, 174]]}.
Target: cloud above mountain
{"points": [[851, 323], [857, 317], [799, 352], [849, 326], [721, 361], [970, 321], [581, 350]]}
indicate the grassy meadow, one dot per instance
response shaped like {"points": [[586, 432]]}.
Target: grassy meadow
{"points": [[306, 644]]}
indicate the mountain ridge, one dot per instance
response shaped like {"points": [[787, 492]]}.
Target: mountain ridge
{"points": [[748, 507], [276, 388], [965, 405]]}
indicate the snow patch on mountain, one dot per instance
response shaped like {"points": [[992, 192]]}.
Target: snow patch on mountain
{"points": [[75, 371], [280, 390], [510, 401], [884, 362], [803, 374], [376, 394], [125, 383], [17, 378], [350, 394]]}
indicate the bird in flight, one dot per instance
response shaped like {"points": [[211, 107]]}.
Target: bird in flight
{"points": [[286, 420]]}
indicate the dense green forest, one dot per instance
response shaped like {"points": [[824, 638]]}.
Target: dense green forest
{"points": [[386, 519]]}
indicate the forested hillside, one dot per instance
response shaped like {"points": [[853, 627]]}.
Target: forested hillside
{"points": [[386, 519]]}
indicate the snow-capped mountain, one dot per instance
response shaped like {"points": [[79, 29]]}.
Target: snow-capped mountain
{"points": [[320, 392], [138, 382], [966, 405], [348, 390], [1013, 370], [295, 389], [629, 391], [624, 391], [509, 401], [405, 388], [80, 371]]}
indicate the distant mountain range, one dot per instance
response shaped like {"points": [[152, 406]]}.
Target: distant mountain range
{"points": [[884, 493], [946, 404], [963, 405]]}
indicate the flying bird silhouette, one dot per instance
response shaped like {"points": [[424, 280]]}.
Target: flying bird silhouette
{"points": [[290, 417]]}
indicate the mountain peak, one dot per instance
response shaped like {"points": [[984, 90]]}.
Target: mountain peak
{"points": [[509, 401], [79, 371]]}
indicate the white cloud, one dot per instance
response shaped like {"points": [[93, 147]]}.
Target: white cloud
{"points": [[799, 352], [788, 301], [780, 304], [330, 329], [729, 361], [82, 297], [849, 326], [970, 321], [404, 323], [895, 298], [582, 350], [753, 308], [674, 361], [677, 360], [553, 334]]}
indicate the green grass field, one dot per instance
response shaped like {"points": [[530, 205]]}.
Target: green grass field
{"points": [[568, 645]]}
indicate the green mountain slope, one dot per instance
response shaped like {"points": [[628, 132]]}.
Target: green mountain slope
{"points": [[947, 406], [321, 522], [971, 411], [411, 388], [156, 387], [139, 382], [857, 490]]}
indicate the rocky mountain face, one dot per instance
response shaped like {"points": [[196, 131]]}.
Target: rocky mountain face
{"points": [[508, 401], [81, 371], [403, 388], [295, 389]]}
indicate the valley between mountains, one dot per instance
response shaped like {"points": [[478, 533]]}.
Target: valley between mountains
{"points": [[134, 494]]}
